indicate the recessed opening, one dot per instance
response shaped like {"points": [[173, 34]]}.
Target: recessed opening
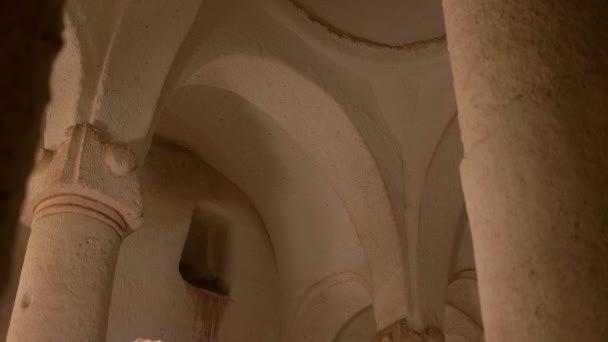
{"points": [[204, 255]]}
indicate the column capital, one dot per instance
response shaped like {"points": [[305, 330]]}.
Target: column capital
{"points": [[91, 176], [401, 332]]}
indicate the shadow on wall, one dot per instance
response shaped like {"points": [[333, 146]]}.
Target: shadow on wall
{"points": [[201, 266], [7, 299], [205, 250]]}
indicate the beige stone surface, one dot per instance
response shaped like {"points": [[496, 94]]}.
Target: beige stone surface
{"points": [[402, 22], [80, 214], [320, 135], [148, 284], [531, 84], [66, 280]]}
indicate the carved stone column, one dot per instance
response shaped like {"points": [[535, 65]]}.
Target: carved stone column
{"points": [[531, 81], [90, 201], [400, 332]]}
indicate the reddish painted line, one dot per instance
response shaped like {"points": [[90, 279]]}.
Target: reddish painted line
{"points": [[114, 229], [89, 208], [84, 197]]}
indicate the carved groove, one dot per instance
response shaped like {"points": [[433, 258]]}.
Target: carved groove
{"points": [[71, 203], [68, 194], [314, 17]]}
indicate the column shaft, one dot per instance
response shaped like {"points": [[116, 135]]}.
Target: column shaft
{"points": [[531, 82], [88, 201], [66, 282]]}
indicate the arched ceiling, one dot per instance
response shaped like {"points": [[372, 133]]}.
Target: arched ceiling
{"points": [[174, 183], [321, 127], [310, 231], [329, 305], [360, 328], [113, 68], [359, 122], [389, 23], [441, 215]]}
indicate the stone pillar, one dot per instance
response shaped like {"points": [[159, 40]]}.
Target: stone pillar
{"points": [[531, 82], [401, 332], [90, 201]]}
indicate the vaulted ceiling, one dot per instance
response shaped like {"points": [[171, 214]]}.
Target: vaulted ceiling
{"points": [[335, 118]]}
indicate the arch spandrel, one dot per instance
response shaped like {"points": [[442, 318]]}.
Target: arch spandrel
{"points": [[320, 125]]}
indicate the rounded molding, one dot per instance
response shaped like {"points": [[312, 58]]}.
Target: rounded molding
{"points": [[119, 159]]}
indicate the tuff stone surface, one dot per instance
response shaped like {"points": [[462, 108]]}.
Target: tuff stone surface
{"points": [[531, 83], [66, 281], [336, 138], [88, 165], [119, 159]]}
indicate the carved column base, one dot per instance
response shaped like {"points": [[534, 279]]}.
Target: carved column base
{"points": [[401, 332], [66, 281]]}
